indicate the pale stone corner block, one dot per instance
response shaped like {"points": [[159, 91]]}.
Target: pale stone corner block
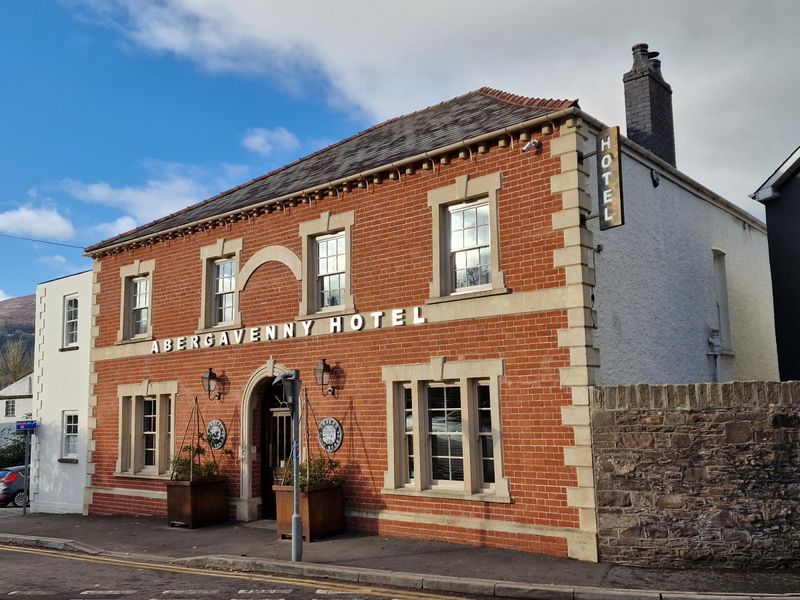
{"points": [[574, 337], [570, 180], [584, 356], [578, 456], [90, 468], [570, 162], [588, 519], [95, 289], [93, 377], [582, 549], [95, 311], [575, 415], [92, 423], [579, 274], [576, 376], [581, 317], [566, 219], [585, 476], [582, 435], [573, 255], [580, 395], [578, 236], [578, 296], [580, 497], [564, 144]]}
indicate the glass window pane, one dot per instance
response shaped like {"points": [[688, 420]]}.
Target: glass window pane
{"points": [[454, 421], [469, 218], [473, 258], [488, 471], [435, 397], [439, 445], [456, 240], [487, 447], [483, 214], [485, 421], [456, 220], [456, 446], [457, 469], [469, 238], [483, 235]]}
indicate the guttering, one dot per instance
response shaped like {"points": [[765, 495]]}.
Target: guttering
{"points": [[570, 111]]}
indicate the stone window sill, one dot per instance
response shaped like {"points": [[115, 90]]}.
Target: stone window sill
{"points": [[71, 461], [135, 340], [68, 348], [163, 476], [220, 328], [468, 295], [326, 314], [450, 495]]}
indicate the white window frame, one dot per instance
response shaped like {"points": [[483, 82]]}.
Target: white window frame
{"points": [[468, 375], [131, 459], [441, 201], [327, 224], [721, 306], [212, 255], [452, 254], [319, 274], [129, 274], [11, 408], [66, 341], [67, 433]]}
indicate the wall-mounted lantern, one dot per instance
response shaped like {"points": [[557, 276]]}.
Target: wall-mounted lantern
{"points": [[214, 385], [323, 374]]}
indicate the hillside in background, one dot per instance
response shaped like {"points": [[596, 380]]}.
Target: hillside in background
{"points": [[17, 322]]}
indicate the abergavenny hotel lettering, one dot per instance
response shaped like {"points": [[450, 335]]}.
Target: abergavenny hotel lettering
{"points": [[396, 317]]}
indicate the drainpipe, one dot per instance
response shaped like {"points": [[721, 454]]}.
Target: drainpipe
{"points": [[715, 344]]}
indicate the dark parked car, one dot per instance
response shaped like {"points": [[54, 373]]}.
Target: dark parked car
{"points": [[12, 486]]}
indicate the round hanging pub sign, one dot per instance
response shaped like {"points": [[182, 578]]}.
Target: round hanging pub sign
{"points": [[330, 434], [216, 434]]}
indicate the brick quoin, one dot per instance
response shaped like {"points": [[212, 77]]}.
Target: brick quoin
{"points": [[391, 268]]}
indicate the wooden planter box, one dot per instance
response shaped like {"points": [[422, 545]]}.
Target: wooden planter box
{"points": [[196, 503], [321, 510]]}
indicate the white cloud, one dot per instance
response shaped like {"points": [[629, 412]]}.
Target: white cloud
{"points": [[374, 59], [117, 226], [3, 296], [42, 223], [55, 261], [171, 187], [269, 141]]}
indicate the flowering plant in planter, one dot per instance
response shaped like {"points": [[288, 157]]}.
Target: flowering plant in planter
{"points": [[315, 472]]}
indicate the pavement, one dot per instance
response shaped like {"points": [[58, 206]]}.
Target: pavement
{"points": [[379, 560]]}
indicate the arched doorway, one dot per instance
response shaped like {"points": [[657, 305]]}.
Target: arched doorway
{"points": [[265, 441]]}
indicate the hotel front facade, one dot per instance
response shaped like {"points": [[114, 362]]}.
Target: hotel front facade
{"points": [[447, 292]]}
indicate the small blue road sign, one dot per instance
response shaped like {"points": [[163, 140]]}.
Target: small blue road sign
{"points": [[29, 425]]}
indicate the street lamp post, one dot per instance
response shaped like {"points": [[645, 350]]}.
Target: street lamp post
{"points": [[291, 391]]}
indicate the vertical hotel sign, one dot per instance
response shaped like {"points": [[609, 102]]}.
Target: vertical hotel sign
{"points": [[609, 179]]}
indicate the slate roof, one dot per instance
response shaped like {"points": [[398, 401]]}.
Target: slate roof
{"points": [[461, 118]]}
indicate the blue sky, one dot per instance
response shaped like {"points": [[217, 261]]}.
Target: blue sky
{"points": [[115, 112]]}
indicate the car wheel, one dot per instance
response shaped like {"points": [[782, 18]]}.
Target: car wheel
{"points": [[20, 499]]}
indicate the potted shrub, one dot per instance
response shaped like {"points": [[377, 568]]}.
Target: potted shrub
{"points": [[196, 490], [321, 509]]}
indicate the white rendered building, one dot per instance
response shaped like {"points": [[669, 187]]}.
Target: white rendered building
{"points": [[60, 393], [15, 404]]}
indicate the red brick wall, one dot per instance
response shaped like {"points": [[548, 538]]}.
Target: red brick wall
{"points": [[391, 268]]}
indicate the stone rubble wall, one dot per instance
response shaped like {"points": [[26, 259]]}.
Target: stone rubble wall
{"points": [[698, 475]]}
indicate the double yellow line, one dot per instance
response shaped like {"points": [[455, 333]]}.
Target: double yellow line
{"points": [[326, 584]]}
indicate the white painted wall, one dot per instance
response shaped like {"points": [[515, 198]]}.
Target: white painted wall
{"points": [[655, 296], [61, 382], [20, 393]]}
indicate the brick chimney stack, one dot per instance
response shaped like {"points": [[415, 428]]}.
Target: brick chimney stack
{"points": [[648, 105]]}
